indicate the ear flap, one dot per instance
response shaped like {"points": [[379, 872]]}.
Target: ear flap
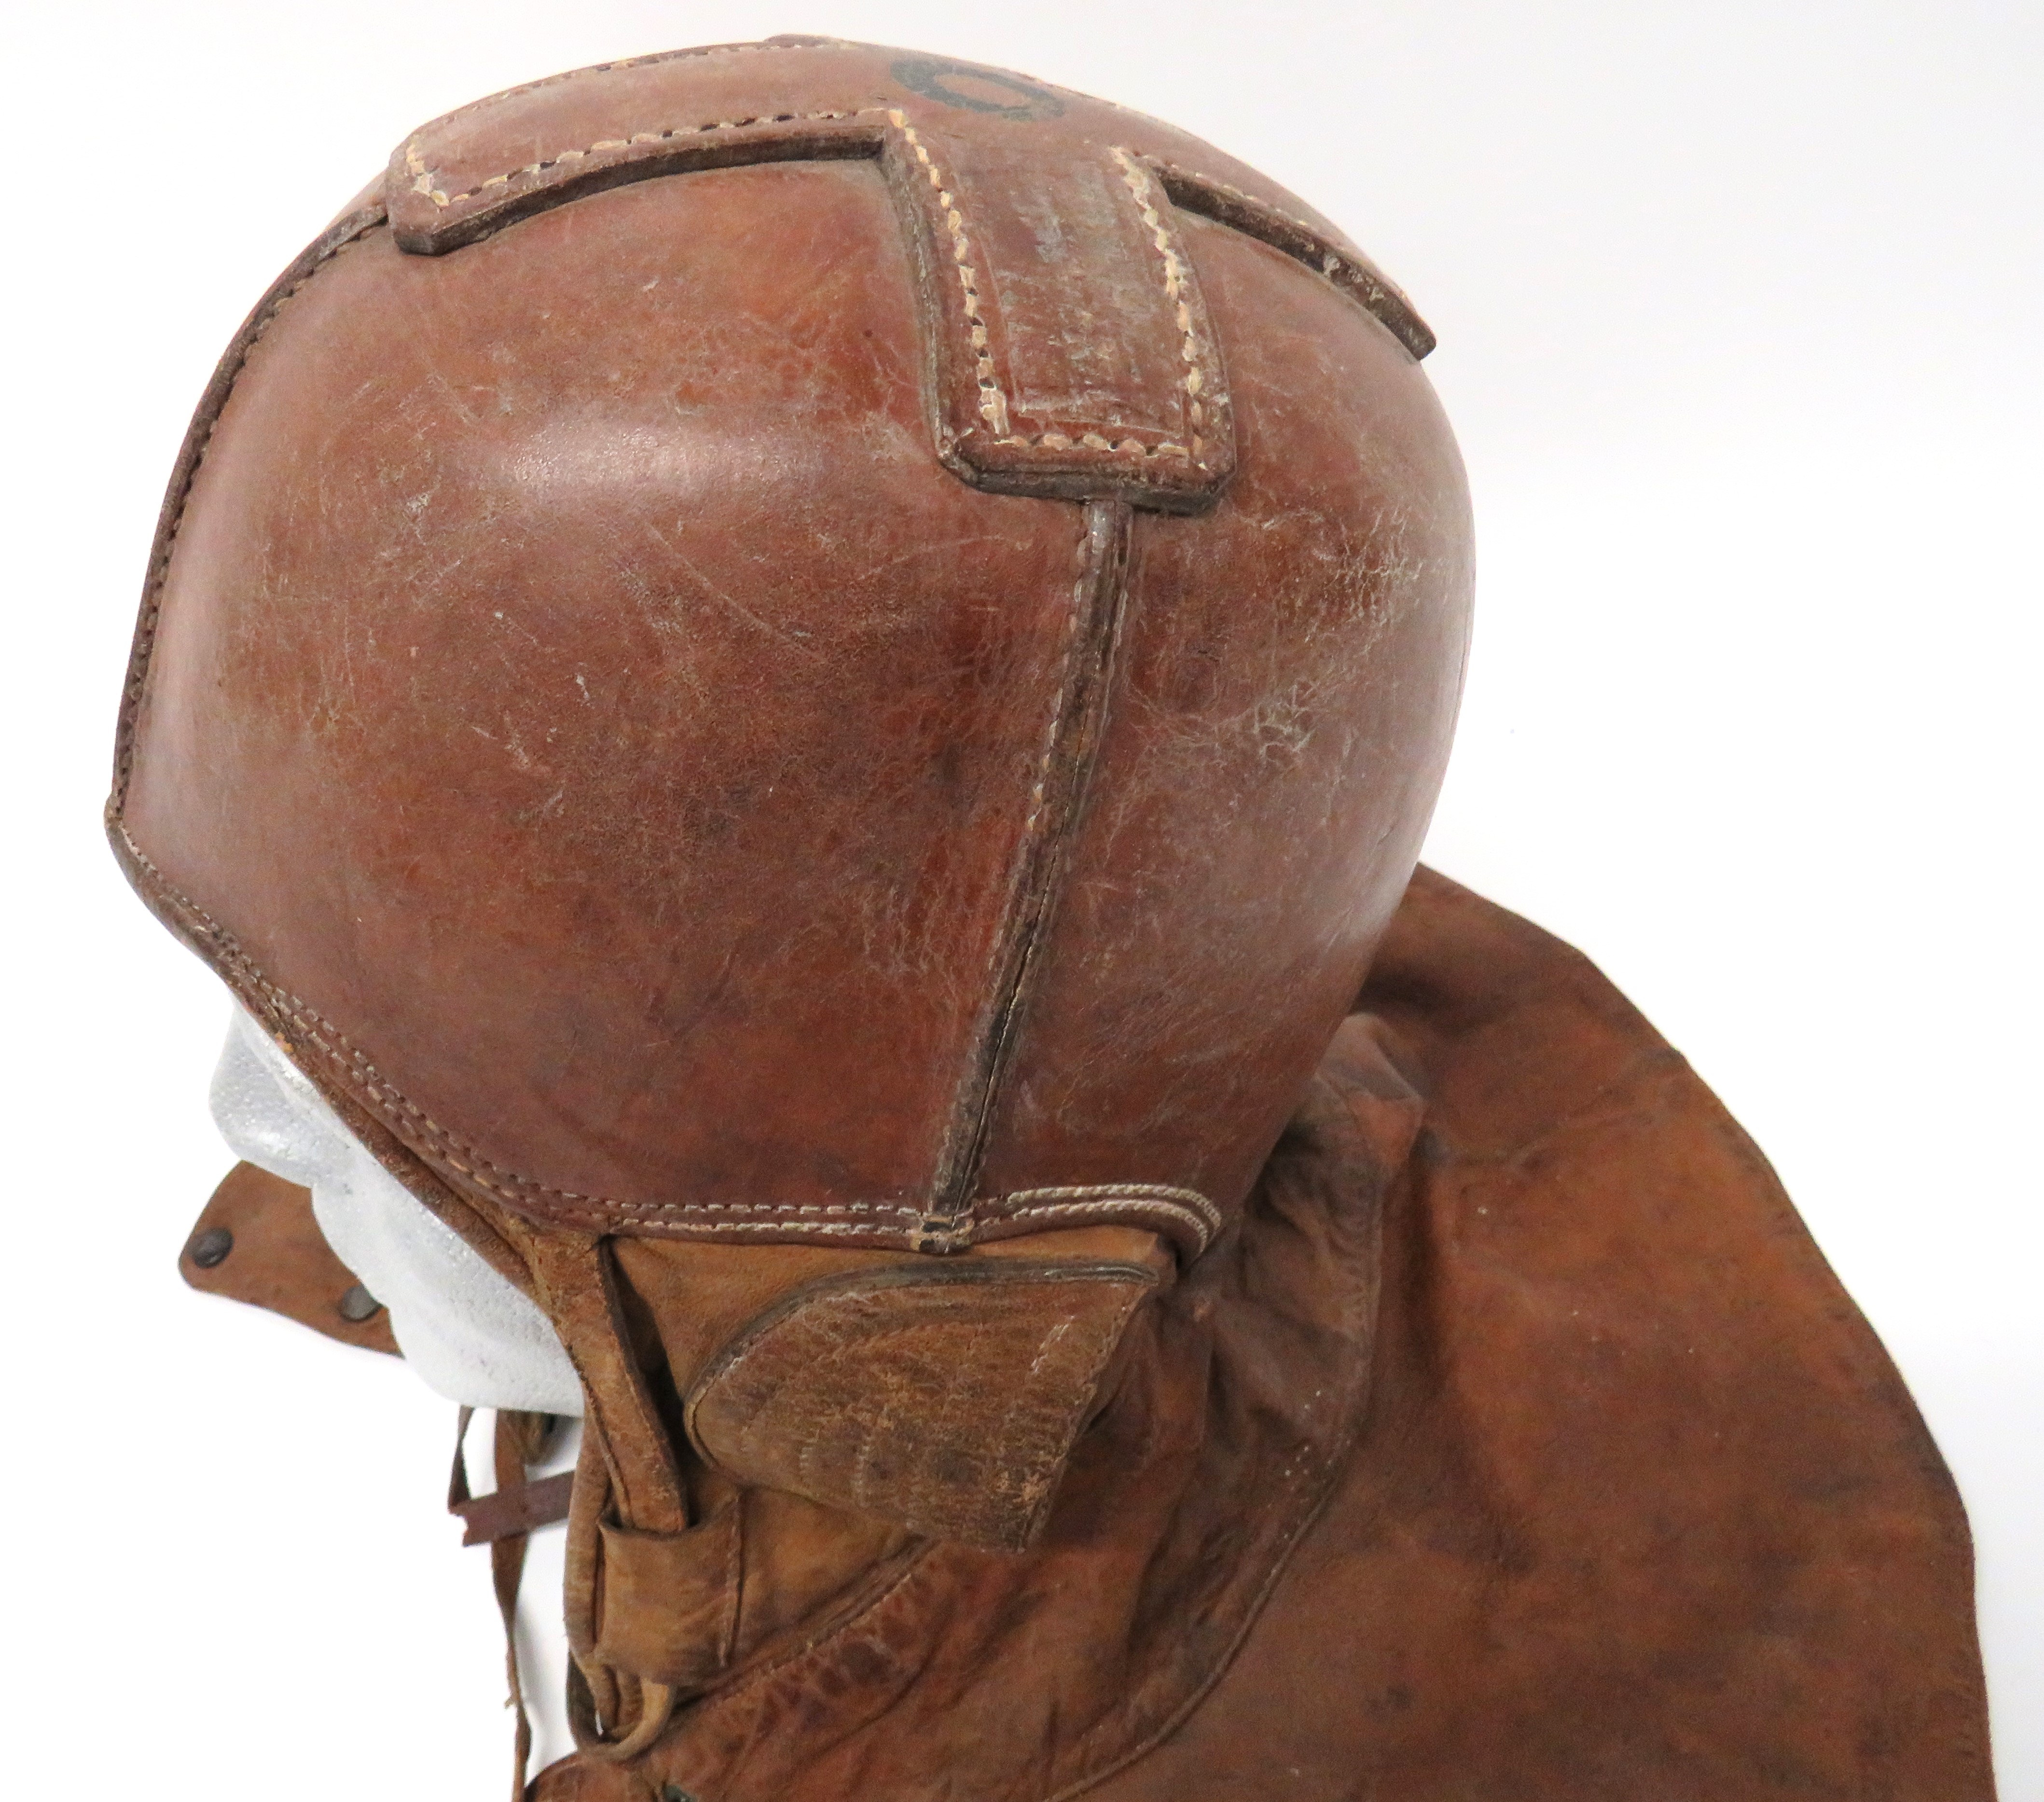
{"points": [[946, 1398]]}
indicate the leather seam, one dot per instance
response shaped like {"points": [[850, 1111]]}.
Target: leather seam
{"points": [[1254, 217], [1109, 1196], [143, 650], [994, 402], [422, 177], [361, 1078], [749, 1678], [1030, 885], [954, 1163], [1340, 1451], [1138, 181]]}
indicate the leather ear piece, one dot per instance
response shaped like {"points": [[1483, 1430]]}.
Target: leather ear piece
{"points": [[946, 1398]]}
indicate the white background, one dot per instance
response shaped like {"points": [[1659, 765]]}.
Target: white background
{"points": [[1739, 321]]}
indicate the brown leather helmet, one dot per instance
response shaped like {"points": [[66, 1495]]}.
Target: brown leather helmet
{"points": [[802, 643], [802, 679], [799, 644]]}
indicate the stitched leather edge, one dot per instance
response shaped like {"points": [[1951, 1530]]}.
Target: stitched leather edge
{"points": [[1353, 273], [191, 453], [1077, 721], [334, 1063]]}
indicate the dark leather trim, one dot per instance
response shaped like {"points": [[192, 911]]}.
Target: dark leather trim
{"points": [[1346, 269], [949, 215], [1099, 590]]}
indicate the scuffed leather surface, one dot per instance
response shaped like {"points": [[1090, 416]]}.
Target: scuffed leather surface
{"points": [[280, 1260], [1264, 704], [585, 707], [945, 1399], [997, 1674], [581, 713], [1634, 1504]]}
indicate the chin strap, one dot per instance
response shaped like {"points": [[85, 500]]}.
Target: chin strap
{"points": [[500, 1520], [627, 1485]]}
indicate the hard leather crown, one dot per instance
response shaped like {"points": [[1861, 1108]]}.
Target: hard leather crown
{"points": [[796, 641]]}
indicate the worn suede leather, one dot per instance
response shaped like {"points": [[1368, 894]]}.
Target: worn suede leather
{"points": [[805, 679], [1590, 1483], [276, 1258], [1632, 1502]]}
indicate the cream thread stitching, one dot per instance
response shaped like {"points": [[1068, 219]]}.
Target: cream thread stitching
{"points": [[422, 177], [992, 402], [145, 631], [1061, 696], [1061, 691], [1334, 260], [1138, 183], [1202, 1232], [386, 1099], [1317, 233], [286, 1007], [1189, 1199]]}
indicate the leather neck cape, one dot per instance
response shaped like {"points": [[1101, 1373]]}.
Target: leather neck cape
{"points": [[1518, 1443]]}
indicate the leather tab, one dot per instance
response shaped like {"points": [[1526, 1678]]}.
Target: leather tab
{"points": [[518, 1509], [946, 1399], [669, 1607], [258, 1242], [1074, 356], [1071, 351]]}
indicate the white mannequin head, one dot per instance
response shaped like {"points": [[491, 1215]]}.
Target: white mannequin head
{"points": [[471, 1335]]}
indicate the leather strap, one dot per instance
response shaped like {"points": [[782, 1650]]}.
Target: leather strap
{"points": [[516, 1510], [1071, 349], [519, 1437]]}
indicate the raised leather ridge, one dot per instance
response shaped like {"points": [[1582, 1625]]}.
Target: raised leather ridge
{"points": [[1070, 351], [575, 559]]}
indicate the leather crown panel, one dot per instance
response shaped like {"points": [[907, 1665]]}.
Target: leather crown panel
{"points": [[1071, 350], [609, 700]]}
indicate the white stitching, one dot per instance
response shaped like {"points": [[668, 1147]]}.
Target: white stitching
{"points": [[992, 402], [1012, 919], [1190, 1200], [422, 181], [1060, 693], [1317, 232], [387, 1099], [1093, 1210], [1139, 184]]}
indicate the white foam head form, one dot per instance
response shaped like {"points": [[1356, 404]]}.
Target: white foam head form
{"points": [[468, 1330]]}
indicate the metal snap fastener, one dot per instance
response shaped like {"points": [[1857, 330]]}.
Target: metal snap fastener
{"points": [[358, 1304], [674, 1792], [211, 1247]]}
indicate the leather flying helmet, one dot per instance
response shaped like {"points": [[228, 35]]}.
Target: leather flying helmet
{"points": [[801, 680], [856, 655]]}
